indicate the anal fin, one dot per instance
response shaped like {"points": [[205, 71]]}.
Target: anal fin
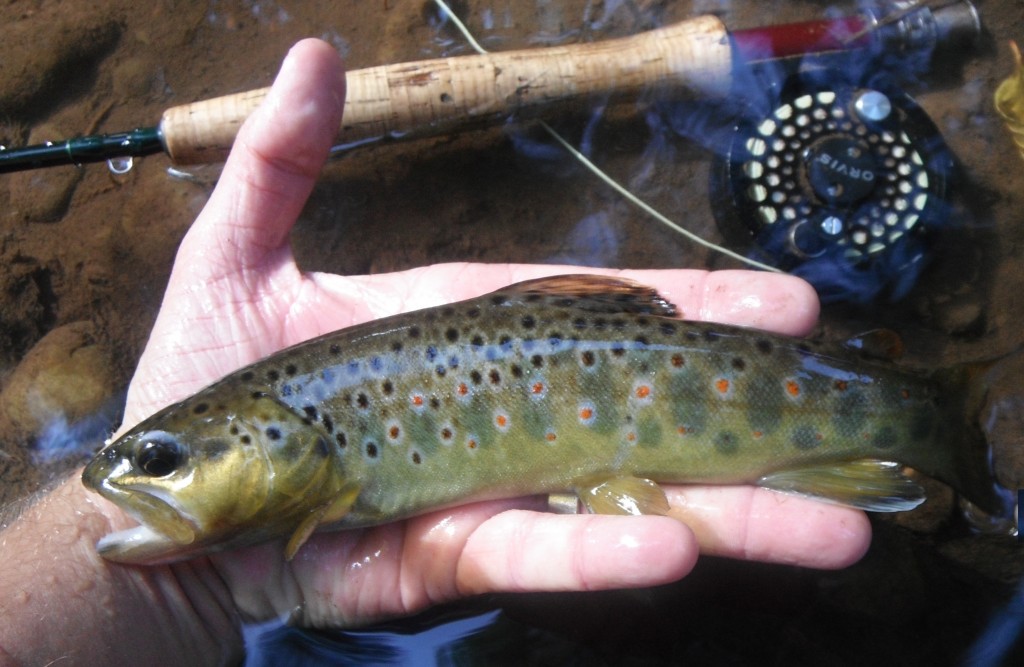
{"points": [[622, 495], [867, 484]]}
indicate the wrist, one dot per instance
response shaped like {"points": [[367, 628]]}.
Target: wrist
{"points": [[51, 574]]}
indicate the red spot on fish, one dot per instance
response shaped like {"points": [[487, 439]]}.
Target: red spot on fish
{"points": [[417, 400], [841, 385], [471, 443], [678, 361], [550, 436], [394, 432], [537, 388], [462, 389], [643, 391], [586, 414], [758, 434], [793, 388], [905, 394], [446, 433], [682, 430], [722, 385]]}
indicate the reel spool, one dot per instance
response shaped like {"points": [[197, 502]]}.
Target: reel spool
{"points": [[837, 183]]}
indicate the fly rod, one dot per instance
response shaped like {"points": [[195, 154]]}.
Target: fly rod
{"points": [[438, 95]]}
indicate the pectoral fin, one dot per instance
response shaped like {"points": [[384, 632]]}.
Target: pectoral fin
{"points": [[867, 484], [325, 514], [622, 495]]}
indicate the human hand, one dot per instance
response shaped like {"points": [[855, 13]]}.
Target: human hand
{"points": [[236, 295]]}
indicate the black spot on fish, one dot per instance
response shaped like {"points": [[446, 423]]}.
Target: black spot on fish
{"points": [[588, 358], [739, 364], [554, 339], [273, 433], [256, 395], [441, 371], [341, 439], [517, 371], [414, 331], [618, 324], [885, 438], [247, 376], [476, 377], [473, 312], [416, 458], [505, 341], [435, 402], [667, 329], [371, 450], [290, 369], [477, 341], [233, 430], [600, 323], [537, 361], [642, 341], [322, 448], [446, 433], [533, 297], [804, 348], [618, 350], [451, 334], [579, 323], [200, 408], [764, 346], [711, 336], [245, 440], [328, 423], [499, 300], [431, 353], [447, 311], [727, 443], [273, 376], [495, 376], [806, 437], [310, 411], [387, 387], [335, 349], [362, 400]]}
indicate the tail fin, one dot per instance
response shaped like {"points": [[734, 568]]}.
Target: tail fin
{"points": [[968, 466]]}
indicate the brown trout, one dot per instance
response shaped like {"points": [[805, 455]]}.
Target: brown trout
{"points": [[584, 384]]}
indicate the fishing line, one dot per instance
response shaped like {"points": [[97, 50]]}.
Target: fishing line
{"points": [[597, 171]]}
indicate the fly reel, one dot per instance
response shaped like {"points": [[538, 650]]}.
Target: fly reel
{"points": [[837, 183]]}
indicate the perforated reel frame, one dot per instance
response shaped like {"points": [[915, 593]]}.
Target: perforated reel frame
{"points": [[847, 171]]}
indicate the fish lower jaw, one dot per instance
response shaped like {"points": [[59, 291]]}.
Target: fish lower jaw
{"points": [[140, 545]]}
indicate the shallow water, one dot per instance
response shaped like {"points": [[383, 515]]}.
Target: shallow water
{"points": [[85, 254]]}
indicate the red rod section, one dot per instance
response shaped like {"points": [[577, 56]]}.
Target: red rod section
{"points": [[808, 37]]}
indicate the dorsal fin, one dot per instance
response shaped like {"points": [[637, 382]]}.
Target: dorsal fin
{"points": [[602, 294]]}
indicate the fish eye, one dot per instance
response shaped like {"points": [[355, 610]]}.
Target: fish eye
{"points": [[159, 457]]}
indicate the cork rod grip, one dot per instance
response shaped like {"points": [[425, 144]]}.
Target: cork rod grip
{"points": [[434, 96]]}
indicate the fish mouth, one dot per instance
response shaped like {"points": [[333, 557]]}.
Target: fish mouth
{"points": [[165, 532]]}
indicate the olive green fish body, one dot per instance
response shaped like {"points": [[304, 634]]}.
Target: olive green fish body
{"points": [[547, 386]]}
